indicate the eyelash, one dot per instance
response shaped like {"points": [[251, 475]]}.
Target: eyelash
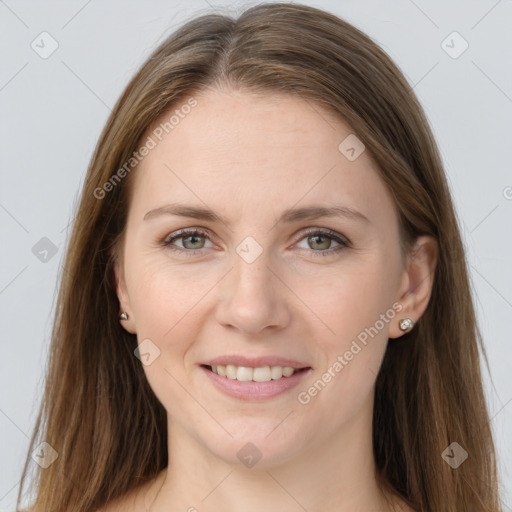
{"points": [[343, 242]]}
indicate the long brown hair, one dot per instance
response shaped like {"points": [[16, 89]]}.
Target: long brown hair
{"points": [[98, 411]]}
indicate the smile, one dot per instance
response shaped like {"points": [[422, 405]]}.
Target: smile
{"points": [[254, 384], [259, 374]]}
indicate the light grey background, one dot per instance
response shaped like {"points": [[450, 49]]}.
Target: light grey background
{"points": [[53, 110]]}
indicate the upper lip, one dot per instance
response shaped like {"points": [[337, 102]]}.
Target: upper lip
{"points": [[255, 362]]}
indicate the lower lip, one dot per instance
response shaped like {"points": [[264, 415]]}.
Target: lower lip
{"points": [[250, 390]]}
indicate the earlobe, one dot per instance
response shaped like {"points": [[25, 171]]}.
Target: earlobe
{"points": [[417, 285], [125, 315]]}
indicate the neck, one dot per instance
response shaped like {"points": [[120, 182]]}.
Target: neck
{"points": [[332, 474]]}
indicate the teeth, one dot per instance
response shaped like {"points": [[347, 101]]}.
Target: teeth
{"points": [[230, 371], [276, 372], [287, 371], [260, 374]]}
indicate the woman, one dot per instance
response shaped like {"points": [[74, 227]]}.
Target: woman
{"points": [[265, 303]]}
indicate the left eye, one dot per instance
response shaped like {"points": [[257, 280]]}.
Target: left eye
{"points": [[322, 239]]}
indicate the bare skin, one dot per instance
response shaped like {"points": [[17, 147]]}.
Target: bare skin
{"points": [[142, 498], [249, 159]]}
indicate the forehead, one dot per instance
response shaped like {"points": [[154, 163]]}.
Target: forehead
{"points": [[238, 151]]}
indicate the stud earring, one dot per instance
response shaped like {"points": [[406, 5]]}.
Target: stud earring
{"points": [[406, 324], [123, 316]]}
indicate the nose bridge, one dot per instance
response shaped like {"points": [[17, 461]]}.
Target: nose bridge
{"points": [[251, 268], [251, 297]]}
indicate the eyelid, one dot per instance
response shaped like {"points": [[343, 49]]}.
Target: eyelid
{"points": [[184, 233], [326, 231], [340, 239]]}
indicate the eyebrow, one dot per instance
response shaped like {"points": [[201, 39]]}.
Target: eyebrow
{"points": [[288, 216]]}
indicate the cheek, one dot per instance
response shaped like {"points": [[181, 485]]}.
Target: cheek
{"points": [[163, 293], [158, 303], [352, 299], [168, 300], [357, 305], [164, 302]]}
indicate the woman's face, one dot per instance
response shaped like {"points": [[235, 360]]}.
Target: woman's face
{"points": [[320, 293]]}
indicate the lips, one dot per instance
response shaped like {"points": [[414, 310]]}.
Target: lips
{"points": [[254, 378], [254, 390]]}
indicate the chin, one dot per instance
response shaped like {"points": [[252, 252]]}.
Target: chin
{"points": [[257, 447]]}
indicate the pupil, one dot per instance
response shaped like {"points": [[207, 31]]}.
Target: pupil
{"points": [[192, 239], [320, 237]]}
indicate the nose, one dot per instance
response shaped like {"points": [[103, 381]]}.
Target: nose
{"points": [[253, 298]]}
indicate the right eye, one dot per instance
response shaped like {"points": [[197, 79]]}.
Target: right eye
{"points": [[189, 237]]}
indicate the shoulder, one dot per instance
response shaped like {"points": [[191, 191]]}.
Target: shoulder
{"points": [[137, 499], [129, 502], [403, 507], [398, 504]]}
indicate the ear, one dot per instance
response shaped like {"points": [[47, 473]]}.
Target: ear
{"points": [[123, 296], [417, 282]]}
